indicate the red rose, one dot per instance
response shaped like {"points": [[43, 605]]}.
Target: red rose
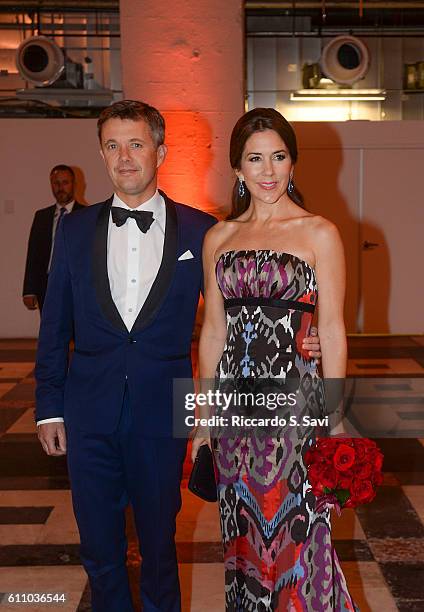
{"points": [[310, 456], [344, 457], [378, 461], [363, 471], [360, 446], [318, 490], [329, 477], [362, 491], [326, 447], [364, 447], [314, 474], [346, 467], [345, 480], [378, 479]]}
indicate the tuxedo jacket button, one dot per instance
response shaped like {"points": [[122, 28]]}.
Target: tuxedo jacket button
{"points": [[132, 340]]}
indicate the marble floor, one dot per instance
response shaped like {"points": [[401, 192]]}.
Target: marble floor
{"points": [[380, 546]]}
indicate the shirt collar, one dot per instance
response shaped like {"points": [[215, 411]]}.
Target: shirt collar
{"points": [[156, 205], [68, 207]]}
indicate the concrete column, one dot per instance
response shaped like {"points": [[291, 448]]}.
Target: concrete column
{"points": [[186, 58]]}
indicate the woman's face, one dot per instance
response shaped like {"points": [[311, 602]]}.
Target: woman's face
{"points": [[266, 166]]}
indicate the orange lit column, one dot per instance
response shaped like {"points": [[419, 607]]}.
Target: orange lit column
{"points": [[186, 58]]}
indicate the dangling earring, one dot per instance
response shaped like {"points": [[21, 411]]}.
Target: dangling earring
{"points": [[241, 188], [290, 186]]}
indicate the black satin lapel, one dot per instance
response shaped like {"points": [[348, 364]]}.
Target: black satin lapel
{"points": [[166, 270], [100, 276]]}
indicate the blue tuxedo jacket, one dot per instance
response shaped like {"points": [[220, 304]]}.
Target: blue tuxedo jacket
{"points": [[88, 393]]}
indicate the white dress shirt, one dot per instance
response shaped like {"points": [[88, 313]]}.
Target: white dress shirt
{"points": [[134, 258], [133, 261]]}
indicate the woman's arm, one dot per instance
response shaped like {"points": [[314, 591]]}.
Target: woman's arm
{"points": [[213, 332], [331, 278]]}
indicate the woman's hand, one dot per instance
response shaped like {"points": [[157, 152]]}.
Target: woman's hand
{"points": [[312, 344], [201, 436]]}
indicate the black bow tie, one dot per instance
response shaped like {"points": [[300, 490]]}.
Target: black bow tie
{"points": [[143, 218]]}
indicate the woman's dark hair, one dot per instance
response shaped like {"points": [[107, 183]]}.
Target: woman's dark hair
{"points": [[258, 120]]}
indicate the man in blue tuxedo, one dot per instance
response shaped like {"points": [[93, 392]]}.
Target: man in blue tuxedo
{"points": [[124, 284]]}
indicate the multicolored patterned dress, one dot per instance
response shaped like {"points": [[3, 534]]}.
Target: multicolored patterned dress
{"points": [[277, 550]]}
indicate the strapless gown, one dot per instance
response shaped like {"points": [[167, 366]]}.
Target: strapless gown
{"points": [[278, 553]]}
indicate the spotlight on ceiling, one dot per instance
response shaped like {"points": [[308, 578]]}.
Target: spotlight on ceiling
{"points": [[345, 60]]}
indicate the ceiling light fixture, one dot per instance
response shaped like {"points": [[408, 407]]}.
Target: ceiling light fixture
{"points": [[325, 95]]}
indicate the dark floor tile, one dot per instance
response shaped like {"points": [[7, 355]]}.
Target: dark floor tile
{"points": [[410, 605], [402, 550], [401, 454], [353, 550], [17, 355], [386, 352], [22, 455], [387, 375], [199, 552], [34, 483], [393, 387], [85, 601], [390, 479], [8, 416], [381, 341], [410, 478], [388, 400], [22, 391], [390, 515], [411, 416], [134, 576], [372, 366], [188, 552], [405, 580], [39, 554], [17, 404], [24, 515]]}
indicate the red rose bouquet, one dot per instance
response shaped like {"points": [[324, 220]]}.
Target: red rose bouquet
{"points": [[344, 472]]}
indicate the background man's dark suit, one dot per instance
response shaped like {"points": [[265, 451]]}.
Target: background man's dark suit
{"points": [[39, 250]]}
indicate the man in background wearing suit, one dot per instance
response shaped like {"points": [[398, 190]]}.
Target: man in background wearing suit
{"points": [[42, 235]]}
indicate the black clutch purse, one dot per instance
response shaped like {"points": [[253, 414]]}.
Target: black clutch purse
{"points": [[202, 480]]}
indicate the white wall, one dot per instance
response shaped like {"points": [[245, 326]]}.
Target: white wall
{"points": [[29, 148], [367, 177], [332, 173]]}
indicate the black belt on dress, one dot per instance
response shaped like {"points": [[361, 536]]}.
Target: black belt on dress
{"points": [[253, 301]]}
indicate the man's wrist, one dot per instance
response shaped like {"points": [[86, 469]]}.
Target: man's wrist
{"points": [[52, 420]]}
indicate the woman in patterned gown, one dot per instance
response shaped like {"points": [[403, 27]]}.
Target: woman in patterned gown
{"points": [[263, 268]]}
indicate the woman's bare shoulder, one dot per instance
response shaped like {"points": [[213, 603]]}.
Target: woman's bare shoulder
{"points": [[321, 226], [218, 233]]}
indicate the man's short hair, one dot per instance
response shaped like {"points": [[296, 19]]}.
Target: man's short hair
{"points": [[63, 168], [136, 111]]}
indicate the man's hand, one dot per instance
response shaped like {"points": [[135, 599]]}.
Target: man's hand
{"points": [[53, 438], [312, 344], [30, 302]]}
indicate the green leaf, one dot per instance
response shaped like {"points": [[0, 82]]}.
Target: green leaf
{"points": [[342, 495]]}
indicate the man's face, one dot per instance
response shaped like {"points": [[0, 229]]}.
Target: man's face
{"points": [[132, 159], [62, 183]]}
